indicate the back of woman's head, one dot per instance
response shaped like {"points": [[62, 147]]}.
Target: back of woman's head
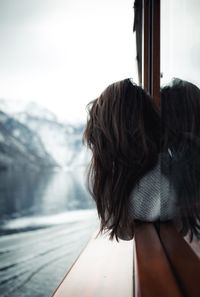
{"points": [[180, 117], [123, 132], [180, 110]]}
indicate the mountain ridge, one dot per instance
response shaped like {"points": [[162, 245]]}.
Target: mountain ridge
{"points": [[36, 133]]}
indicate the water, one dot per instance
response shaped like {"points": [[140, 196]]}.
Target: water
{"points": [[46, 219], [25, 193]]}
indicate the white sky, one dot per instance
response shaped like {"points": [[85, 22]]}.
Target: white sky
{"points": [[63, 53], [180, 40]]}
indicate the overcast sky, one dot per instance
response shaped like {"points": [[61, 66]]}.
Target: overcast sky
{"points": [[180, 40], [63, 53]]}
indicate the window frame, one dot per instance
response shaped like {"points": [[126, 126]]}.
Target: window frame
{"points": [[147, 28]]}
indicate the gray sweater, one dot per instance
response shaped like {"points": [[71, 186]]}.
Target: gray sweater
{"points": [[153, 198]]}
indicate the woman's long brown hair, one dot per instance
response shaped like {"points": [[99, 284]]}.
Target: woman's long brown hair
{"points": [[180, 119], [123, 133]]}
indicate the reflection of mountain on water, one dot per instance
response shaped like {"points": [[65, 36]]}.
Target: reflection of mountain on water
{"points": [[25, 193], [43, 199], [31, 140]]}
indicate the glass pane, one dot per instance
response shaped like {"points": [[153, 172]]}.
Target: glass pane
{"points": [[180, 96], [55, 57], [180, 45]]}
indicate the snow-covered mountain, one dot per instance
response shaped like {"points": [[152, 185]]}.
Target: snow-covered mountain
{"points": [[61, 142], [19, 146]]}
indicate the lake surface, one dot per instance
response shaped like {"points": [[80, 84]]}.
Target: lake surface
{"points": [[46, 219], [25, 193]]}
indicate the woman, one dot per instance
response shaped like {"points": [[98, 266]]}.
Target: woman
{"points": [[180, 117], [144, 168], [123, 133]]}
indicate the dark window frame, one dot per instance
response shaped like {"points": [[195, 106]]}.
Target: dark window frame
{"points": [[147, 28]]}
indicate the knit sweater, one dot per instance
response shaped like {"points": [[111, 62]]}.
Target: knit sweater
{"points": [[153, 198]]}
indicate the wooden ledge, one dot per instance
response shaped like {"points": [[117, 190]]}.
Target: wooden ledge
{"points": [[154, 275], [105, 268], [185, 263]]}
